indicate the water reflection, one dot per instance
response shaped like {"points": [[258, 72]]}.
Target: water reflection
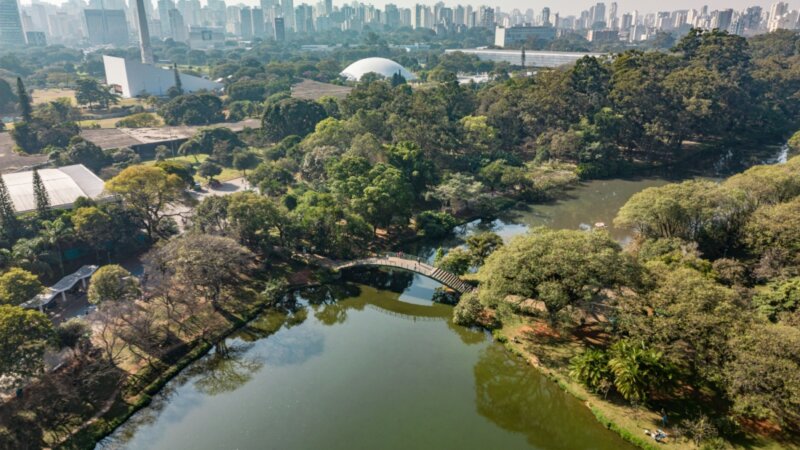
{"points": [[228, 368], [521, 400]]}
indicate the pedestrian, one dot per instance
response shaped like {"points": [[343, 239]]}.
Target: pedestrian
{"points": [[663, 418]]}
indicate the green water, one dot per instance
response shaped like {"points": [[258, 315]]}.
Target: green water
{"points": [[354, 367]]}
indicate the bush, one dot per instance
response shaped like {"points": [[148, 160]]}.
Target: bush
{"points": [[434, 224], [467, 310]]}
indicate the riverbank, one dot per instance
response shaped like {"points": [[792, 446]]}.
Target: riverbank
{"points": [[550, 351], [140, 386]]}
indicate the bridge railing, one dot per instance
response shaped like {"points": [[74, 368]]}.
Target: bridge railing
{"points": [[402, 255]]}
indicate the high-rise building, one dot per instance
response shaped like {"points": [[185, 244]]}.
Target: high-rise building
{"points": [[304, 21], [280, 30], [259, 26], [392, 16], [546, 17], [246, 23], [36, 38], [288, 14], [486, 19], [177, 26], [106, 26], [10, 24], [164, 6], [724, 19], [598, 16]]}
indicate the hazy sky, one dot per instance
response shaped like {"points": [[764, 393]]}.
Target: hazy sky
{"points": [[564, 7]]}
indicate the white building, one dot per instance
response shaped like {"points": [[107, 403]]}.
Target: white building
{"points": [[63, 185], [381, 66], [133, 79]]}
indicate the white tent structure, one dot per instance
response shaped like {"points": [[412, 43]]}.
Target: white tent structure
{"points": [[63, 185], [382, 66], [60, 288]]}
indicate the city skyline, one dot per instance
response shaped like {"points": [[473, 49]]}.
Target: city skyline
{"points": [[569, 7]]}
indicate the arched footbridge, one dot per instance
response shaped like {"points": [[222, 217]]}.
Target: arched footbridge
{"points": [[412, 264]]}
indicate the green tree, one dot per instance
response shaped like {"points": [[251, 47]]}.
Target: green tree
{"points": [[481, 245], [558, 267], [24, 335], [40, 195], [209, 169], [149, 192], [456, 261], [8, 216], [761, 377], [637, 370], [687, 316], [112, 283], [18, 286], [24, 99], [590, 368], [192, 109], [291, 116]]}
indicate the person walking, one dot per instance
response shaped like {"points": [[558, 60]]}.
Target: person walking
{"points": [[663, 418]]}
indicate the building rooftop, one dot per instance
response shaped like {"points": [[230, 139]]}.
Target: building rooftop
{"points": [[382, 66], [64, 185]]}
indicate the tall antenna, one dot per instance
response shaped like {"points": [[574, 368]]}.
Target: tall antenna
{"points": [[144, 33]]}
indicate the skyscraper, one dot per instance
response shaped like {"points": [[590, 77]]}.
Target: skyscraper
{"points": [[258, 23], [246, 21], [280, 31], [546, 17], [288, 14], [10, 24], [106, 26]]}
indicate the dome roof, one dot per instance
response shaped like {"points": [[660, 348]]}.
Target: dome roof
{"points": [[381, 66]]}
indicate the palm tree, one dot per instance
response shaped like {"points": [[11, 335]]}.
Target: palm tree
{"points": [[28, 254], [637, 370], [53, 234]]}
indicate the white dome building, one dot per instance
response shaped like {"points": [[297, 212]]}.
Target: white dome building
{"points": [[382, 66]]}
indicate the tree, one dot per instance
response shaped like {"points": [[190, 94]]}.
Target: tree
{"points": [[18, 286], [7, 96], [94, 226], [24, 335], [386, 199], [192, 109], [687, 316], [291, 116], [457, 261], [73, 334], [637, 370], [558, 267], [8, 216], [40, 195], [54, 233], [177, 89], [209, 264], [434, 224], [149, 192], [244, 160], [468, 310], [209, 169], [89, 91], [25, 107], [481, 245], [761, 377], [112, 283]]}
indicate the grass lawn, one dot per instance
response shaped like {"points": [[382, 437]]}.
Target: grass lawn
{"points": [[48, 95], [104, 123], [226, 175]]}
